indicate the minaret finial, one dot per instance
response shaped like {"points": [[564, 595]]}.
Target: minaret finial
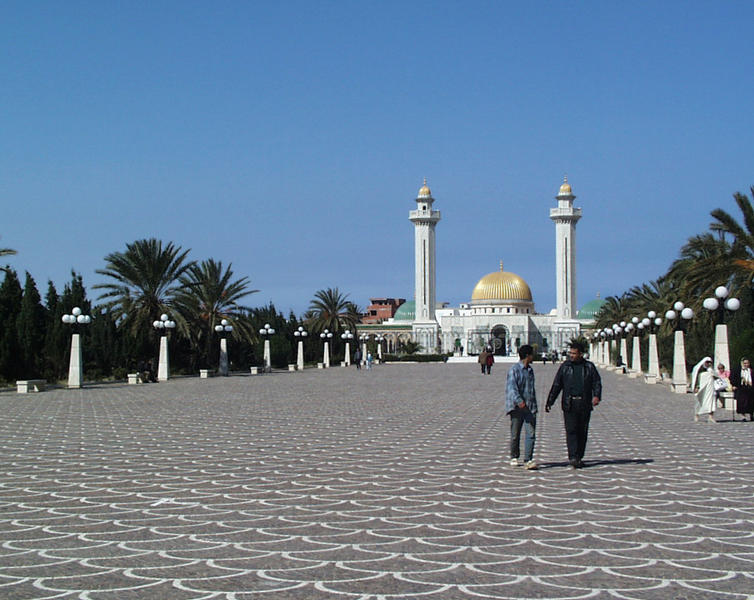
{"points": [[425, 181], [565, 178], [501, 264]]}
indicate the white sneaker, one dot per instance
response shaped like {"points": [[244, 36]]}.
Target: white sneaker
{"points": [[515, 462], [532, 465]]}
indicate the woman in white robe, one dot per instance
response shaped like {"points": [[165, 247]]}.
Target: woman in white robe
{"points": [[703, 384]]}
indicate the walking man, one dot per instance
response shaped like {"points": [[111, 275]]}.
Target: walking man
{"points": [[521, 405], [581, 385]]}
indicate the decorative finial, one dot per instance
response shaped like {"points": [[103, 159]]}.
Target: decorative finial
{"points": [[598, 295], [425, 181], [501, 265], [565, 178]]}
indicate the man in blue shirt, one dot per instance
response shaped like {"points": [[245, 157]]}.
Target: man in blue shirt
{"points": [[521, 405]]}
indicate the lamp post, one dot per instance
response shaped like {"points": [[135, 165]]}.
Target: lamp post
{"points": [[636, 329], [652, 322], [603, 336], [347, 337], [610, 339], [266, 332], [719, 305], [363, 337], [300, 334], [75, 366], [683, 314], [326, 336], [223, 330], [163, 325], [594, 348], [380, 338]]}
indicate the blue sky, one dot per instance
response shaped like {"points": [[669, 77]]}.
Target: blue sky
{"points": [[291, 138]]}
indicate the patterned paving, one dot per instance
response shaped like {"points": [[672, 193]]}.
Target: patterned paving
{"points": [[383, 484]]}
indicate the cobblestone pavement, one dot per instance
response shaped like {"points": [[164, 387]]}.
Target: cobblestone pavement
{"points": [[391, 483]]}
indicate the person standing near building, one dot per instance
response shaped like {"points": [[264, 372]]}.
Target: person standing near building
{"points": [[581, 386], [521, 406]]}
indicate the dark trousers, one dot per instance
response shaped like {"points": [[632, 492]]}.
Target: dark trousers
{"points": [[577, 430]]}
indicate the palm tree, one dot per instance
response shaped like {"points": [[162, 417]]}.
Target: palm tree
{"points": [[6, 252], [208, 296], [706, 261], [146, 283], [329, 309], [743, 235]]}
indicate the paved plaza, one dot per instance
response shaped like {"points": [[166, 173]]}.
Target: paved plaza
{"points": [[391, 483]]}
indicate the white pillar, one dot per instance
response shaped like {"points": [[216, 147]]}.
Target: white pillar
{"points": [[223, 368], [267, 360], [300, 357], [379, 351], [348, 354], [163, 367], [635, 357], [75, 366], [653, 376], [680, 380], [721, 346], [623, 350], [364, 353], [327, 355]]}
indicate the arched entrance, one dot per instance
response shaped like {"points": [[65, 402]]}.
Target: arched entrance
{"points": [[499, 340]]}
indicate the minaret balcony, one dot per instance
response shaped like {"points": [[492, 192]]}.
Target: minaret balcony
{"points": [[426, 216]]}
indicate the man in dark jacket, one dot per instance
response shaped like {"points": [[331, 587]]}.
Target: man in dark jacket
{"points": [[581, 385]]}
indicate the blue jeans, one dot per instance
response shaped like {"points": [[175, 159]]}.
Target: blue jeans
{"points": [[523, 418]]}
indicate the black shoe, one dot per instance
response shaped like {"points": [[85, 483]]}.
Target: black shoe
{"points": [[574, 463], [580, 464]]}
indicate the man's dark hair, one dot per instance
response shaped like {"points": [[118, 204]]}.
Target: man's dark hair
{"points": [[578, 346], [524, 351]]}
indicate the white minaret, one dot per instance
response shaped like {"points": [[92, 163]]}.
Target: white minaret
{"points": [[424, 220], [565, 217]]}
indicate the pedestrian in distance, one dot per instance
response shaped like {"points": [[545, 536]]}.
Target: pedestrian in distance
{"points": [[521, 406], [490, 360], [369, 360], [483, 360], [357, 358], [581, 386]]}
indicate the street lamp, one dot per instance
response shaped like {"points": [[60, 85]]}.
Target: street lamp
{"points": [[719, 305], [75, 366], [300, 334], [636, 329], [163, 325], [379, 339], [326, 336], [680, 380], [651, 322], [223, 330], [363, 337], [266, 332], [347, 337]]}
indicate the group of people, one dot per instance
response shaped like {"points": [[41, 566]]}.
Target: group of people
{"points": [[486, 360], [146, 372], [358, 359], [708, 384], [580, 385]]}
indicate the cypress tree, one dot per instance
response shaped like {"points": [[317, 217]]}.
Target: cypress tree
{"points": [[10, 305], [30, 328], [56, 336]]}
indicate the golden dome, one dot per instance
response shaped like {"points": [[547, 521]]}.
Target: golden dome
{"points": [[424, 190], [565, 188], [501, 285]]}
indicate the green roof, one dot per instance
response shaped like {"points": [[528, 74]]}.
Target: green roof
{"points": [[406, 311], [589, 311]]}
